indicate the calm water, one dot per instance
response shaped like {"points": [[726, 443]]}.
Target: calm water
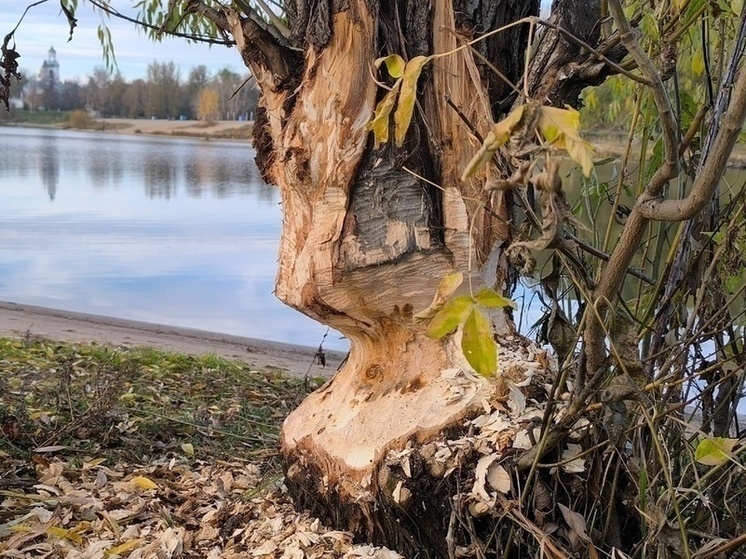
{"points": [[171, 231]]}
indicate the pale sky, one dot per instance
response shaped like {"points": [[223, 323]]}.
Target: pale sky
{"points": [[46, 26]]}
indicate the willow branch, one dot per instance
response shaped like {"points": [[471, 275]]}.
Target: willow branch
{"points": [[716, 158], [670, 130]]}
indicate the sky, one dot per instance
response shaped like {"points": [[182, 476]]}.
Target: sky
{"points": [[45, 26]]}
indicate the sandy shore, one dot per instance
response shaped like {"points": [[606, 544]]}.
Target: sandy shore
{"points": [[27, 320], [225, 129]]}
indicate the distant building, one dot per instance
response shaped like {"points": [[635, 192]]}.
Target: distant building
{"points": [[49, 73]]}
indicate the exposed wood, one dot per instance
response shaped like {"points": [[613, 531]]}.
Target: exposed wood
{"points": [[366, 241]]}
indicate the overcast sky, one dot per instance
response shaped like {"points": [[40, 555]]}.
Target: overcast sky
{"points": [[46, 26]]}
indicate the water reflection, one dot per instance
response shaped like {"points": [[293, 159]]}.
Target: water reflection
{"points": [[49, 168], [170, 231]]}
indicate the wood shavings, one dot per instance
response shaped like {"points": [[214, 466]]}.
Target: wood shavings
{"points": [[196, 510]]}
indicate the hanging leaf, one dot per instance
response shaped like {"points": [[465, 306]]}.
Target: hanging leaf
{"points": [[380, 123], [698, 63], [491, 299], [394, 65], [560, 128], [737, 6], [478, 345], [498, 136], [405, 107], [71, 20], [714, 451], [447, 286], [449, 317]]}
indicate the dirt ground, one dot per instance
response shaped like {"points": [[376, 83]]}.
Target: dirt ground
{"points": [[27, 320], [197, 128]]}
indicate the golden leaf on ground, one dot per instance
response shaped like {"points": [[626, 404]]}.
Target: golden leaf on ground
{"points": [[122, 549], [144, 483], [405, 107], [63, 533]]}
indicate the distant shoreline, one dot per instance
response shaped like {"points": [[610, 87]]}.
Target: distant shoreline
{"points": [[232, 130]]}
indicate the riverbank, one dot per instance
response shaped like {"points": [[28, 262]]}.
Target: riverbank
{"points": [[22, 321], [219, 130]]}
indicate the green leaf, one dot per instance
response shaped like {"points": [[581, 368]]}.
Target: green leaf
{"points": [[380, 123], [394, 64], [698, 63], [478, 345], [737, 6], [491, 299], [405, 107], [714, 451], [449, 317]]}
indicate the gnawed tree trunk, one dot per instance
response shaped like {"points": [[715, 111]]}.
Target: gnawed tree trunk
{"points": [[369, 232]]}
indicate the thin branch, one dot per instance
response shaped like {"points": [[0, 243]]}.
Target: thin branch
{"points": [[197, 38], [722, 140], [583, 45], [670, 130]]}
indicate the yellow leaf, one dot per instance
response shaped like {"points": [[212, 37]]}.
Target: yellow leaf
{"points": [[737, 6], [405, 107], [560, 128], [698, 63], [122, 549], [714, 451], [64, 534], [144, 483], [446, 287], [380, 123], [93, 463], [188, 449], [394, 64], [496, 137]]}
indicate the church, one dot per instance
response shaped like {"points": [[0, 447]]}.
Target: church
{"points": [[49, 73]]}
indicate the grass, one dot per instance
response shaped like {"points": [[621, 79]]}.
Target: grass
{"points": [[35, 118], [137, 404]]}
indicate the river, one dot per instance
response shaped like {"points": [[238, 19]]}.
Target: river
{"points": [[171, 231]]}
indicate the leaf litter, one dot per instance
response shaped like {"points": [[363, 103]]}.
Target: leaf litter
{"points": [[137, 453]]}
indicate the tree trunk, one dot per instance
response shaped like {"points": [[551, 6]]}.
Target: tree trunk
{"points": [[368, 233]]}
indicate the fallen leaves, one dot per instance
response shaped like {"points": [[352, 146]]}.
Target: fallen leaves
{"points": [[197, 509], [129, 480]]}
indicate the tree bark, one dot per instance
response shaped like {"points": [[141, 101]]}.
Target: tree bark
{"points": [[368, 233]]}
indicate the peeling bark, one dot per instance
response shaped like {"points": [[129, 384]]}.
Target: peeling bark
{"points": [[366, 241]]}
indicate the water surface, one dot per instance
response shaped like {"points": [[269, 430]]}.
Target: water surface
{"points": [[166, 230]]}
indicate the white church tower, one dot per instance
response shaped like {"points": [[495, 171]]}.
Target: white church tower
{"points": [[49, 72]]}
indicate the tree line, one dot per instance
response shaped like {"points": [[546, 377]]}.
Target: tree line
{"points": [[162, 93]]}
